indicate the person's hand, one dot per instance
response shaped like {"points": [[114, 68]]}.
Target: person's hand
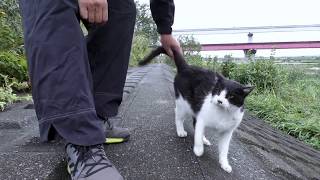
{"points": [[95, 11], [168, 42]]}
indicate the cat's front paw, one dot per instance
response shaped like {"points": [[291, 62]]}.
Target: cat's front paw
{"points": [[198, 150], [182, 133], [226, 167]]}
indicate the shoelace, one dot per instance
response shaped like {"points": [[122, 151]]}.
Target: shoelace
{"points": [[110, 126], [85, 153], [106, 121]]}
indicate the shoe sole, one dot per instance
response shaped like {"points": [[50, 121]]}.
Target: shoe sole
{"points": [[68, 169], [116, 140]]}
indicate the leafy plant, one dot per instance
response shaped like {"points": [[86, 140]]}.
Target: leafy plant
{"points": [[7, 95], [11, 28], [263, 74], [191, 50], [140, 48], [145, 25], [228, 67], [189, 45], [13, 65]]}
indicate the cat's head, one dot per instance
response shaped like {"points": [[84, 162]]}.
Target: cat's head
{"points": [[230, 94]]}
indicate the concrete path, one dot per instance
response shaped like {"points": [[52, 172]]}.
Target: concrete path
{"points": [[154, 151]]}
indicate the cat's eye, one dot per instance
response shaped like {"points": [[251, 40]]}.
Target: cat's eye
{"points": [[231, 97]]}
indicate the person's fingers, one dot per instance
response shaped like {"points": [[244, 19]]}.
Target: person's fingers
{"points": [[104, 13], [95, 11], [170, 44], [169, 51], [83, 11], [98, 14], [91, 13]]}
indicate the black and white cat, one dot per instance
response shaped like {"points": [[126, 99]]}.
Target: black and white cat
{"points": [[212, 101]]}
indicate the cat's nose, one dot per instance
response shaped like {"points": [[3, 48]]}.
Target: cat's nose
{"points": [[219, 102]]}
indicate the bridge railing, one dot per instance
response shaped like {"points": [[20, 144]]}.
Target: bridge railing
{"points": [[260, 45]]}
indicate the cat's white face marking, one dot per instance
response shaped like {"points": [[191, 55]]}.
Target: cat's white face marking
{"points": [[221, 100]]}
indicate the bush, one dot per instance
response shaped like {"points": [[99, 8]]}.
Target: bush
{"points": [[145, 25], [227, 68], [7, 95], [263, 74], [195, 60], [13, 65], [191, 50], [11, 28], [7, 37], [140, 48], [189, 45]]}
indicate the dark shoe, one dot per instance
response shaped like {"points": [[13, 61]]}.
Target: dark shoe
{"points": [[115, 134], [90, 163]]}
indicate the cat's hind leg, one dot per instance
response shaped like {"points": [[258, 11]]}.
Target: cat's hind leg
{"points": [[198, 148], [180, 115]]}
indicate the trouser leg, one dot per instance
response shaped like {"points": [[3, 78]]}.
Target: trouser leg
{"points": [[60, 72], [109, 48]]}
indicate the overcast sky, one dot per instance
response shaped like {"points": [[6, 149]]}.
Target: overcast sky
{"points": [[191, 14]]}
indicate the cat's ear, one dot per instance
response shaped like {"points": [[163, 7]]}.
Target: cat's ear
{"points": [[247, 89]]}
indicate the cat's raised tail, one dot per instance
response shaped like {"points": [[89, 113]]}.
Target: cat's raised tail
{"points": [[178, 58]]}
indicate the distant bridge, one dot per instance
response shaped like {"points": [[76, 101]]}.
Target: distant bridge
{"points": [[253, 30], [260, 45], [238, 30]]}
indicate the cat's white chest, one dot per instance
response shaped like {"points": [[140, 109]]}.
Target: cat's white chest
{"points": [[219, 118]]}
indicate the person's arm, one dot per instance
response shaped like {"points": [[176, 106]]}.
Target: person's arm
{"points": [[163, 14]]}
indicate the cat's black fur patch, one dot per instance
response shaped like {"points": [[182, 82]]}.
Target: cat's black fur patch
{"points": [[195, 83]]}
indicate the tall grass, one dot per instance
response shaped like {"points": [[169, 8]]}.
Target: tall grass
{"points": [[294, 108]]}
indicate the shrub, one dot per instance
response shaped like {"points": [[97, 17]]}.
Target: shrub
{"points": [[7, 95], [189, 45], [11, 28], [13, 65], [263, 74], [7, 37], [195, 60], [227, 68], [140, 48]]}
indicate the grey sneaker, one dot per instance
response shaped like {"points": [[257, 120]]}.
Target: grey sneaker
{"points": [[90, 163], [115, 134]]}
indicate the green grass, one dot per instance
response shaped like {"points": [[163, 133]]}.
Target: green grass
{"points": [[295, 109]]}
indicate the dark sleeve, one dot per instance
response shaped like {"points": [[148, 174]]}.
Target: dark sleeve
{"points": [[163, 14]]}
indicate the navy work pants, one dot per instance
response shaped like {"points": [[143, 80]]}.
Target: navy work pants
{"points": [[74, 78]]}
